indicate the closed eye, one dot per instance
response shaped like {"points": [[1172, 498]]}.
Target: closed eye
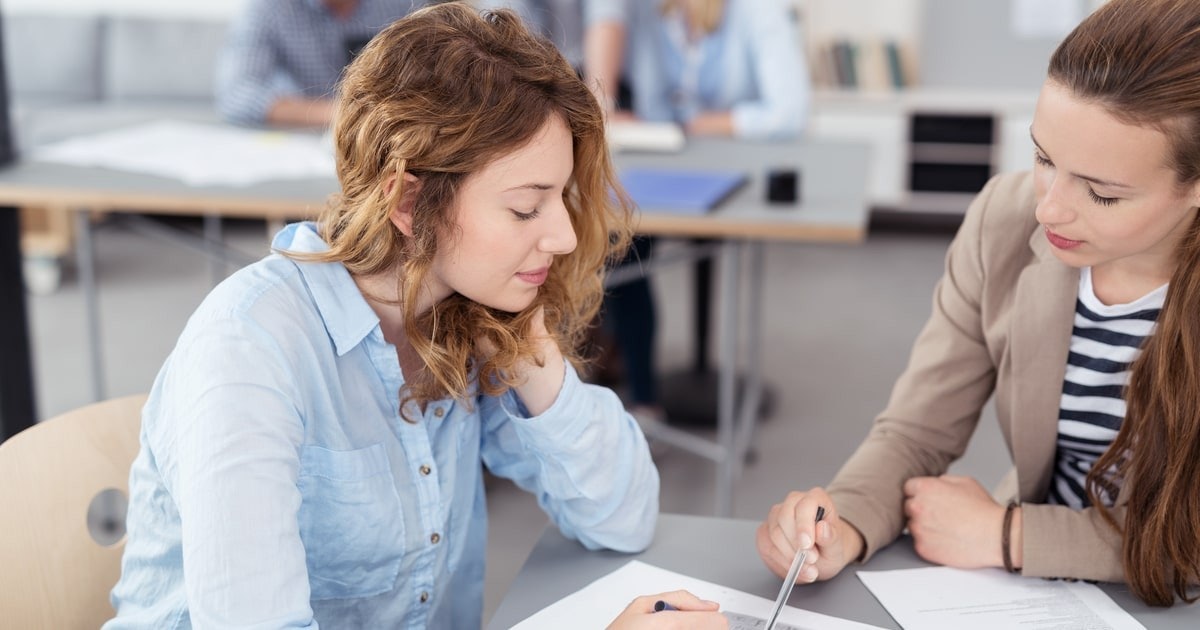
{"points": [[1097, 199], [525, 216], [1104, 201]]}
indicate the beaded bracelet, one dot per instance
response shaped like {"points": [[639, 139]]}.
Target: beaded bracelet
{"points": [[1005, 532]]}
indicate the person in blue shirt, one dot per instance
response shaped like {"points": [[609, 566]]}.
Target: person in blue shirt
{"points": [[311, 450], [718, 67], [282, 58]]}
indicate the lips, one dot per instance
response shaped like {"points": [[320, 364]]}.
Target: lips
{"points": [[536, 277], [1061, 242]]}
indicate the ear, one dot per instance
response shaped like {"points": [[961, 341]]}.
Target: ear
{"points": [[402, 213]]}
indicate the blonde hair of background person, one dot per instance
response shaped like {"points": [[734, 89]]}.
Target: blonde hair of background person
{"points": [[313, 449], [1115, 192], [704, 16]]}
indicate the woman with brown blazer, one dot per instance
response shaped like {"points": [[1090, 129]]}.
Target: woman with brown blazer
{"points": [[1071, 296]]}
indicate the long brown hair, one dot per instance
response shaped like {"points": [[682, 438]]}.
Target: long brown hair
{"points": [[1140, 60], [440, 94]]}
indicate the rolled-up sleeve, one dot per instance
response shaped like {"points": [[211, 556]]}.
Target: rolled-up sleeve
{"points": [[584, 458], [597, 11], [785, 91], [248, 79]]}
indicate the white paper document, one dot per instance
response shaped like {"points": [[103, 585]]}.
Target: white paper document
{"points": [[639, 135], [197, 154], [597, 604], [936, 598]]}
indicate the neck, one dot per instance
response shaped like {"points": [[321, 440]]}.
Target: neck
{"points": [[1122, 284], [341, 9], [382, 293]]}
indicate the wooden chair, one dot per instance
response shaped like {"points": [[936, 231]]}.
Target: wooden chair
{"points": [[53, 572]]}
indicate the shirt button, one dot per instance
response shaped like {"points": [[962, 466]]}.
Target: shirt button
{"points": [[435, 538], [439, 412], [425, 469], [424, 597]]}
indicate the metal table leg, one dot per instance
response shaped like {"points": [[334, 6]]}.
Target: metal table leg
{"points": [[726, 386], [86, 259]]}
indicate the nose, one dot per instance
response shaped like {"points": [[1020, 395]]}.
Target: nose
{"points": [[559, 236], [1053, 201]]}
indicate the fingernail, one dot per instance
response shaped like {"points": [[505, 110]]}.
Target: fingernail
{"points": [[810, 574], [823, 530], [806, 541]]}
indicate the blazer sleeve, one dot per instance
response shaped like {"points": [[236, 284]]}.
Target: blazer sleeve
{"points": [[1062, 542], [936, 403]]}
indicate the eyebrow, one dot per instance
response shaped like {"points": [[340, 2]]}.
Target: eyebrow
{"points": [[530, 186], [1089, 178]]}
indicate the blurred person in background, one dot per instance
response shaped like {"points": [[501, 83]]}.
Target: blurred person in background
{"points": [[283, 58]]}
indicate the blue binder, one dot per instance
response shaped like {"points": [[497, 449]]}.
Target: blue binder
{"points": [[682, 191]]}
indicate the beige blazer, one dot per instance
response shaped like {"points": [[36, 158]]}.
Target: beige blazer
{"points": [[1001, 326]]}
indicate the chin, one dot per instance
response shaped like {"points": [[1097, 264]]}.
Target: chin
{"points": [[1072, 259], [509, 304]]}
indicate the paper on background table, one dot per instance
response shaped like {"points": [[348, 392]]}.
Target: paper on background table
{"points": [[598, 603], [198, 154], [639, 135], [936, 598]]}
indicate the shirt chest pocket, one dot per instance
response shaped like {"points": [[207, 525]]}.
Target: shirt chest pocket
{"points": [[351, 522]]}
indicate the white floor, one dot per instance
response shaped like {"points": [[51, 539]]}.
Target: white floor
{"points": [[839, 322]]}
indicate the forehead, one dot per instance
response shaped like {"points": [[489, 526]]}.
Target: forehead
{"points": [[547, 158], [1085, 137]]}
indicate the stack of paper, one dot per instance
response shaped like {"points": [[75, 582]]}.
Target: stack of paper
{"points": [[942, 598]]}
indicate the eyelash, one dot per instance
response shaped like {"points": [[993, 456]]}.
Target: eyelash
{"points": [[1097, 199], [525, 216]]}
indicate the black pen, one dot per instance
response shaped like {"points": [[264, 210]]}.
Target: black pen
{"points": [[660, 606]]}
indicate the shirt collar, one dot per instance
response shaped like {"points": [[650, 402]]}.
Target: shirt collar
{"points": [[347, 316]]}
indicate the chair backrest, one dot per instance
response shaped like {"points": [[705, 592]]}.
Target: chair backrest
{"points": [[53, 573]]}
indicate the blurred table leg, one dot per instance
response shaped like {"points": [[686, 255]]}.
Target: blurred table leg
{"points": [[16, 374]]}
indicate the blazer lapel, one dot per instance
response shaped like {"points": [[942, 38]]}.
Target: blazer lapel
{"points": [[1044, 313]]}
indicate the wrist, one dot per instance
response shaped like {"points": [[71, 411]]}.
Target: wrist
{"points": [[1010, 538], [854, 544], [540, 384]]}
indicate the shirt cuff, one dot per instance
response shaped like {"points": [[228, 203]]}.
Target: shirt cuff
{"points": [[558, 426]]}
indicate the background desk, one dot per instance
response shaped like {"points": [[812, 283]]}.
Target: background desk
{"points": [[722, 551], [833, 208]]}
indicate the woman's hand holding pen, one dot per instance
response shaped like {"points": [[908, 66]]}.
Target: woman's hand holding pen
{"points": [[953, 521], [792, 525], [685, 611]]}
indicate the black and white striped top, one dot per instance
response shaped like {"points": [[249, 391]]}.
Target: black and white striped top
{"points": [[1105, 341]]}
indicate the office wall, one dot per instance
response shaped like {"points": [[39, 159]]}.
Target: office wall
{"points": [[188, 8]]}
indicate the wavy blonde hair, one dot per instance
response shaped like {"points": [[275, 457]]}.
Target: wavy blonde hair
{"points": [[440, 94]]}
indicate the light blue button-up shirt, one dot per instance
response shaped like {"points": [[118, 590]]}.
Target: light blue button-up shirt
{"points": [[752, 66], [277, 485]]}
